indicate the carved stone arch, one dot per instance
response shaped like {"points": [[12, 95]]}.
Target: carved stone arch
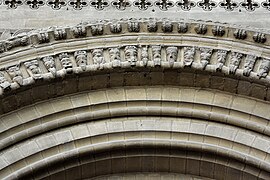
{"points": [[94, 101]]}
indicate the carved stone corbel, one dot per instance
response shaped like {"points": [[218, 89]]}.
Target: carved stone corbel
{"points": [[221, 58], [189, 53], [131, 55], [97, 29], [144, 55], [79, 31], [171, 54], [66, 62], [205, 56], [235, 61], [60, 34], [264, 68], [81, 59], [249, 64], [156, 51], [49, 63], [33, 69], [98, 58], [115, 57]]}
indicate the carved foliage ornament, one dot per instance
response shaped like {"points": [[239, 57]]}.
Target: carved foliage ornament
{"points": [[97, 29], [56, 4], [185, 5], [13, 4], [259, 37], [60, 34], [167, 26], [228, 5], [152, 26], [79, 31], [182, 27], [78, 4], [115, 27], [99, 4], [200, 29], [34, 4], [266, 4], [240, 34], [218, 30], [207, 5], [133, 26], [43, 37], [164, 4], [121, 4], [249, 5], [142, 4]]}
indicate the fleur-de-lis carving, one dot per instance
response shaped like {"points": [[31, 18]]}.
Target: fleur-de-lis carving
{"points": [[266, 4], [164, 4], [249, 5], [99, 4], [228, 5], [34, 4], [207, 5], [121, 4], [185, 5], [78, 4], [142, 4], [56, 4], [13, 4]]}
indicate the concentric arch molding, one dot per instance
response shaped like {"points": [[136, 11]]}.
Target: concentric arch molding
{"points": [[206, 54]]}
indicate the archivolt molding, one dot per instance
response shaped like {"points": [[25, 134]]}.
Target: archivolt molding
{"points": [[219, 123], [169, 55], [110, 135]]}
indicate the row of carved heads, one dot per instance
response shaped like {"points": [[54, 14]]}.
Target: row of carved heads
{"points": [[132, 55]]}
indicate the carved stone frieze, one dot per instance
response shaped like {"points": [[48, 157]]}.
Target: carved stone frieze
{"points": [[131, 55], [249, 64], [189, 53], [235, 62], [264, 68], [205, 56]]}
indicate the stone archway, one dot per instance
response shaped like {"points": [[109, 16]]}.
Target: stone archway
{"points": [[137, 97]]}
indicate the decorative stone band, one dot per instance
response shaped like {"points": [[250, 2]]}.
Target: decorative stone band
{"points": [[164, 5], [32, 39], [134, 56]]}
